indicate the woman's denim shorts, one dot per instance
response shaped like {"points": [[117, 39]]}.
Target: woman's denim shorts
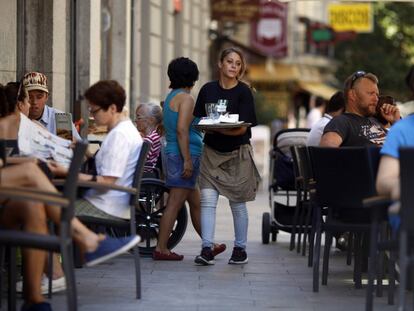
{"points": [[174, 163]]}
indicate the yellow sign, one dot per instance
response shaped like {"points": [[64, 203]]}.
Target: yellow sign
{"points": [[356, 17]]}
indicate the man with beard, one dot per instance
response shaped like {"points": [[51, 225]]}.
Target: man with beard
{"points": [[357, 126]]}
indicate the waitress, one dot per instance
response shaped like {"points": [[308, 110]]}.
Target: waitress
{"points": [[227, 165]]}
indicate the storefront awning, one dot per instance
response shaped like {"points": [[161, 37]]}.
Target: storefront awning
{"points": [[318, 88], [276, 73]]}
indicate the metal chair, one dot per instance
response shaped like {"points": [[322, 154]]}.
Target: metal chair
{"points": [[57, 243], [344, 177], [406, 235], [130, 224]]}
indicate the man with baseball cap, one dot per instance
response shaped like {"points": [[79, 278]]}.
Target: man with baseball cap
{"points": [[36, 85]]}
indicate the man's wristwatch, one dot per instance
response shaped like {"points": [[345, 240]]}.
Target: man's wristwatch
{"points": [[94, 178]]}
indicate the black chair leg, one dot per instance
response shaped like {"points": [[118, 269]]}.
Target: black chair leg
{"points": [[403, 270], [364, 251], [312, 238], [2, 255], [325, 264], [11, 303], [295, 222], [351, 240], [316, 255], [381, 261], [358, 261], [301, 227], [372, 265], [133, 231], [50, 263], [391, 277], [69, 269], [137, 272], [307, 207]]}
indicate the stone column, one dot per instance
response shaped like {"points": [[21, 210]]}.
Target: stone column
{"points": [[8, 39]]}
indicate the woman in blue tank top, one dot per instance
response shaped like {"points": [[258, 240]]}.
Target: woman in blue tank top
{"points": [[183, 150]]}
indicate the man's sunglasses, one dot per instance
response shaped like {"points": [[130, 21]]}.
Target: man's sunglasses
{"points": [[356, 76]]}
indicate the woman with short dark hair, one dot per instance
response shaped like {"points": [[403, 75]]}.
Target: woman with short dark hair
{"points": [[182, 152], [117, 157]]}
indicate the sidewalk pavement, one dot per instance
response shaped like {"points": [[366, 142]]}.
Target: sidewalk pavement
{"points": [[274, 279]]}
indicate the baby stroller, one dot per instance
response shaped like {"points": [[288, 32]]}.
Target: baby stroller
{"points": [[282, 191]]}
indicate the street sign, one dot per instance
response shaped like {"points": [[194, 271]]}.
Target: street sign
{"points": [[319, 35], [356, 17], [269, 33]]}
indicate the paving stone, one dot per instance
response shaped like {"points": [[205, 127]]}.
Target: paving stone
{"points": [[274, 279]]}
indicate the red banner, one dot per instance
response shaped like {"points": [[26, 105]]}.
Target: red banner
{"points": [[269, 33]]}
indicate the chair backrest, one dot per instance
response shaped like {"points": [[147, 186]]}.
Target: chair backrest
{"points": [[304, 165], [12, 147], [286, 138], [296, 170], [70, 186], [344, 176], [407, 193], [3, 151], [139, 169], [8, 147]]}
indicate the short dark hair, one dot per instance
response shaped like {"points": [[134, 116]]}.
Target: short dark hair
{"points": [[10, 94], [319, 101], [183, 72], [105, 93], [336, 102], [354, 79]]}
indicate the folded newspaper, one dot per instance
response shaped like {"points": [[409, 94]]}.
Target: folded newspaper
{"points": [[36, 141]]}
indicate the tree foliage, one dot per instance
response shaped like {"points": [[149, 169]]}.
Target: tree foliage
{"points": [[387, 52]]}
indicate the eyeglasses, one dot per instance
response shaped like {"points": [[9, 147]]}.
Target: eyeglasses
{"points": [[94, 111], [140, 118], [356, 76]]}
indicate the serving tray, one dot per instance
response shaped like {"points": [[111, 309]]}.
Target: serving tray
{"points": [[218, 126]]}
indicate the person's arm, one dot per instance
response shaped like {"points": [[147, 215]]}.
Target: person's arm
{"points": [[19, 160], [60, 171], [388, 177], [185, 117], [109, 180], [331, 139], [391, 113]]}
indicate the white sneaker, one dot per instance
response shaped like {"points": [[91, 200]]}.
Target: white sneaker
{"points": [[58, 285]]}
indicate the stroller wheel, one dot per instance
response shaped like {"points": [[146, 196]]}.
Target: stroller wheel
{"points": [[265, 228]]}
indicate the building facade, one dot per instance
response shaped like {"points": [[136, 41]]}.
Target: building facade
{"points": [[78, 42]]}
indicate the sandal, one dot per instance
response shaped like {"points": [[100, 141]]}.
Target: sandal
{"points": [[171, 256]]}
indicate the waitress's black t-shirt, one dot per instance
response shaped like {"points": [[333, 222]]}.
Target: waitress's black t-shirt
{"points": [[240, 101]]}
